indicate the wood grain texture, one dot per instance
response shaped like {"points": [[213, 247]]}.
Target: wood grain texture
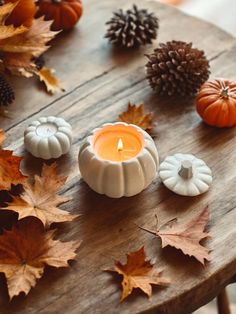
{"points": [[99, 82]]}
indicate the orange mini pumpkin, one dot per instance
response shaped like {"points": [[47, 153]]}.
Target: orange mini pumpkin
{"points": [[23, 13], [64, 13], [216, 103]]}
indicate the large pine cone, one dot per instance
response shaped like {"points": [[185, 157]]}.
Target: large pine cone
{"points": [[6, 92], [177, 68], [132, 28]]}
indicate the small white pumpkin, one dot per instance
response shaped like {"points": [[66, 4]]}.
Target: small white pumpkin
{"points": [[124, 178], [48, 137], [185, 174]]}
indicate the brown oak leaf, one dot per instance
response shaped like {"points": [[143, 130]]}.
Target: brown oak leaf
{"points": [[52, 84], [7, 31], [10, 173], [2, 137], [26, 249], [136, 115], [138, 273], [186, 236], [40, 198], [33, 42]]}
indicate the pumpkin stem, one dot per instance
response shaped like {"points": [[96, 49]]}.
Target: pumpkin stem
{"points": [[224, 92], [56, 1], [186, 170]]}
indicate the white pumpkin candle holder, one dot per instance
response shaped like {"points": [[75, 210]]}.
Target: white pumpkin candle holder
{"points": [[48, 137], [118, 160], [185, 174]]}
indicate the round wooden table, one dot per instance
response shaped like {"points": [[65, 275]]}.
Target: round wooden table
{"points": [[99, 82]]}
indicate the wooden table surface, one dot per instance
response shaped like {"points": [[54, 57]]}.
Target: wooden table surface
{"points": [[99, 82]]}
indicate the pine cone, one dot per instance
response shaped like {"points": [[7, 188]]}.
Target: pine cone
{"points": [[177, 68], [132, 28], [6, 92]]}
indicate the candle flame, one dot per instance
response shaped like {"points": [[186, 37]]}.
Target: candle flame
{"points": [[120, 145]]}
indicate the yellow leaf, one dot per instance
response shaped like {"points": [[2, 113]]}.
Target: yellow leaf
{"points": [[136, 115], [33, 42], [51, 82]]}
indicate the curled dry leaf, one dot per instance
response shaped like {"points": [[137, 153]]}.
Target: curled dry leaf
{"points": [[52, 84], [40, 198], [138, 273], [186, 236], [136, 115], [2, 137], [26, 249], [10, 173], [7, 31]]}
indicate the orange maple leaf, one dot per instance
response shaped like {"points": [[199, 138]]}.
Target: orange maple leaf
{"points": [[136, 115], [2, 137], [40, 198], [10, 173], [26, 249], [186, 236], [52, 84], [138, 273]]}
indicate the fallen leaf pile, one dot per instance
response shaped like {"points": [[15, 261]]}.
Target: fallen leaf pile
{"points": [[21, 45], [139, 273], [40, 198], [26, 249], [136, 115], [29, 245], [186, 236]]}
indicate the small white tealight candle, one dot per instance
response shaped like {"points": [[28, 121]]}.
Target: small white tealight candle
{"points": [[48, 137], [118, 160]]}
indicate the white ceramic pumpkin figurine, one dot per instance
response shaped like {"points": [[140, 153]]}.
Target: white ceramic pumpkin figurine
{"points": [[119, 178], [48, 137], [185, 174]]}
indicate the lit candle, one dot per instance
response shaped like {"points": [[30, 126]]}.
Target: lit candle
{"points": [[118, 160]]}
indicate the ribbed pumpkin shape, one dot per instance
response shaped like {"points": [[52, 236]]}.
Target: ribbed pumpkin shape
{"points": [[216, 103], [117, 179], [197, 183], [48, 138], [64, 13]]}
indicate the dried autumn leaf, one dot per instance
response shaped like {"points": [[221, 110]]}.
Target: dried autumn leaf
{"points": [[26, 249], [10, 170], [2, 137], [7, 31], [33, 42], [138, 273], [186, 236], [136, 115], [52, 84], [40, 198], [19, 64]]}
